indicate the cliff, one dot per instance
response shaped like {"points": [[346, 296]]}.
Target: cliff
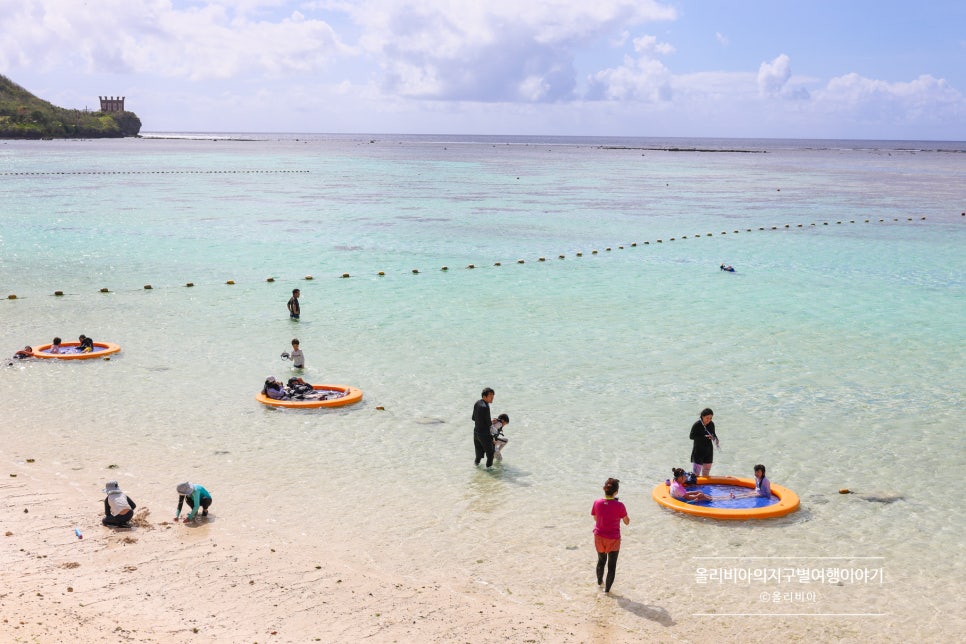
{"points": [[24, 116]]}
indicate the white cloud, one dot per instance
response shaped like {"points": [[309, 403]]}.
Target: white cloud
{"points": [[925, 98], [202, 41], [650, 45], [644, 78], [490, 51], [773, 76]]}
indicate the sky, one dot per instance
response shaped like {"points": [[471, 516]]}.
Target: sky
{"points": [[833, 69]]}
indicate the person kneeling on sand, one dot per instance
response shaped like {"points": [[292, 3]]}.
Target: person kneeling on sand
{"points": [[196, 496], [118, 507]]}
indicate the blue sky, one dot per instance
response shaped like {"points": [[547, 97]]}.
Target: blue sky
{"points": [[771, 68]]}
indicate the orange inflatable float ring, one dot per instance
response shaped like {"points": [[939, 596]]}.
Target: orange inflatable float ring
{"points": [[350, 396], [70, 351], [719, 487]]}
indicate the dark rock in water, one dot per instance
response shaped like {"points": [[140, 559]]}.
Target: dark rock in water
{"points": [[885, 497]]}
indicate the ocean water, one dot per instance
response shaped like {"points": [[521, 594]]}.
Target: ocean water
{"points": [[834, 354]]}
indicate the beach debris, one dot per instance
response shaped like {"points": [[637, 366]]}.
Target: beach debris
{"points": [[13, 476], [845, 490], [140, 520], [78, 533], [8, 534], [381, 408], [70, 589], [30, 460], [70, 564]]}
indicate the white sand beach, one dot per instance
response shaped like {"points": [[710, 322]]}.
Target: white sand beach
{"points": [[208, 581], [165, 581]]}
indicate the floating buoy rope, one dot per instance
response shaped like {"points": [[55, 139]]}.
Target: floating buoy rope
{"points": [[416, 271]]}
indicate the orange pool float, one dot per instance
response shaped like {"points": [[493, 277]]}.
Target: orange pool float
{"points": [[787, 502], [350, 396], [100, 350]]}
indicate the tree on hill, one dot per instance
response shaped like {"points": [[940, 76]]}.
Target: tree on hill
{"points": [[24, 116]]}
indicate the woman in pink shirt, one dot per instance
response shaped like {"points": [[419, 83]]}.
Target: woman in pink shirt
{"points": [[608, 512]]}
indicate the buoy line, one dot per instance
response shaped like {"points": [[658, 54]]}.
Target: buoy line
{"points": [[445, 269], [94, 172]]}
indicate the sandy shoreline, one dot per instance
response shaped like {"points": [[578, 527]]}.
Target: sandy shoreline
{"points": [[224, 581], [162, 581]]}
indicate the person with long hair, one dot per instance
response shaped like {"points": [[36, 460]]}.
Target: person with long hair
{"points": [[608, 513], [705, 440]]}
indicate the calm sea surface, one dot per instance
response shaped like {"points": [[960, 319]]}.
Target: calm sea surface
{"points": [[834, 355]]}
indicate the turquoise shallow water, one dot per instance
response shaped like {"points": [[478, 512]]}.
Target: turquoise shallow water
{"points": [[834, 354]]}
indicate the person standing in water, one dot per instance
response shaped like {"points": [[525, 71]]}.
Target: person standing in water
{"points": [[608, 513], [705, 439], [297, 357], [482, 439], [294, 311]]}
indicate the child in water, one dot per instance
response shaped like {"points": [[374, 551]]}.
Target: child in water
{"points": [[762, 485], [678, 491], [86, 344], [499, 440], [297, 357]]}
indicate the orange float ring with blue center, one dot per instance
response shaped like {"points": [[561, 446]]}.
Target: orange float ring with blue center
{"points": [[783, 501], [100, 350]]}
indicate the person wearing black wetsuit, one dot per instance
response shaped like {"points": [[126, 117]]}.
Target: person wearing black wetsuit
{"points": [[482, 439], [704, 437]]}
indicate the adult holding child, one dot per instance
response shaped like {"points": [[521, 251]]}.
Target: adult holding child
{"points": [[482, 439], [608, 513]]}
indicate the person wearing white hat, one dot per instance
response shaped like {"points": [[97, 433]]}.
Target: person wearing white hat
{"points": [[274, 389], [118, 507], [196, 496]]}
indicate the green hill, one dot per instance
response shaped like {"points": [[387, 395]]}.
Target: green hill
{"points": [[24, 116]]}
